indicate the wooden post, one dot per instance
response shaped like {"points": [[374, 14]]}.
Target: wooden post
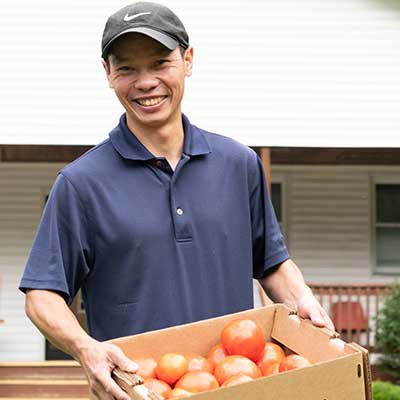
{"points": [[265, 154]]}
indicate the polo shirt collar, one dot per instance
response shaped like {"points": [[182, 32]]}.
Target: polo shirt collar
{"points": [[128, 145]]}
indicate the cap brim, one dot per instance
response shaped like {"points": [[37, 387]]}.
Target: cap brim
{"points": [[165, 40]]}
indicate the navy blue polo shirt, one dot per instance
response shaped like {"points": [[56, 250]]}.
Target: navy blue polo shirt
{"points": [[151, 247]]}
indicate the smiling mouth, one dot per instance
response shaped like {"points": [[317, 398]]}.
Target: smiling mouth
{"points": [[153, 101]]}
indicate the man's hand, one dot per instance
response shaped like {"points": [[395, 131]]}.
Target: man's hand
{"points": [[98, 361], [286, 285], [309, 307]]}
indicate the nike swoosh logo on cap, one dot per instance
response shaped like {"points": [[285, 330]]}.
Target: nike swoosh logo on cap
{"points": [[128, 18]]}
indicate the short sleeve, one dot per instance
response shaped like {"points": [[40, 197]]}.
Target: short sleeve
{"points": [[60, 254], [269, 248]]}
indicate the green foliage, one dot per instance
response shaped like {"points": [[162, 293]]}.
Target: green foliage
{"points": [[388, 334], [385, 391]]}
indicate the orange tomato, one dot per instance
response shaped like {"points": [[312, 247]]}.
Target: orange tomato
{"points": [[270, 369], [236, 365], [179, 394], [236, 380], [159, 387], [197, 381], [198, 363], [293, 361], [272, 352], [243, 337], [170, 367], [147, 366], [216, 355]]}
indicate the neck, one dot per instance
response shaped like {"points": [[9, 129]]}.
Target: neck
{"points": [[162, 141]]}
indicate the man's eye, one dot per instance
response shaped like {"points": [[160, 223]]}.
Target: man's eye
{"points": [[160, 63], [124, 69]]}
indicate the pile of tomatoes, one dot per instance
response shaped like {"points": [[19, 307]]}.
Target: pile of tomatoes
{"points": [[241, 356]]}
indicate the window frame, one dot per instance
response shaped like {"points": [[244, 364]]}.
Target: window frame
{"points": [[376, 180]]}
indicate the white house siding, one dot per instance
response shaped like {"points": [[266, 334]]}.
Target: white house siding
{"points": [[328, 213], [22, 190], [267, 72]]}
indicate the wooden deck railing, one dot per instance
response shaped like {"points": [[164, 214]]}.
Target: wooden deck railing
{"points": [[353, 309]]}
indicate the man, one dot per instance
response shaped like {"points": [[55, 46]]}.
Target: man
{"points": [[162, 223]]}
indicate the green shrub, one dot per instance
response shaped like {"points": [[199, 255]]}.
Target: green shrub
{"points": [[388, 335], [385, 391]]}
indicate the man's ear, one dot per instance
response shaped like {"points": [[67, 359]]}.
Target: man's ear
{"points": [[108, 73], [188, 60]]}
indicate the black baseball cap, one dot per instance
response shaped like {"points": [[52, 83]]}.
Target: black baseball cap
{"points": [[151, 19]]}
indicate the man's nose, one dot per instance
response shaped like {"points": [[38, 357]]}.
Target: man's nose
{"points": [[146, 81]]}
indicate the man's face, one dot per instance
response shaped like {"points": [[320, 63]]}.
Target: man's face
{"points": [[148, 80]]}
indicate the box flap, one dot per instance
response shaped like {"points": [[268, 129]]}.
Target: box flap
{"points": [[290, 330]]}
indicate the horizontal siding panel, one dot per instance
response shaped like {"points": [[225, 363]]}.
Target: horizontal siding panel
{"points": [[327, 75], [21, 202]]}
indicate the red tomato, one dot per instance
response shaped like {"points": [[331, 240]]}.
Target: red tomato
{"points": [[293, 361], [159, 387], [236, 365], [197, 381], [271, 352], [198, 363], [243, 337], [216, 355], [179, 394], [170, 367], [147, 367], [270, 369], [236, 380]]}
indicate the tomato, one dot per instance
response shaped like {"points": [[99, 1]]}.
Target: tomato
{"points": [[170, 367], [293, 361], [197, 381], [179, 394], [198, 363], [159, 387], [147, 367], [243, 337], [271, 368], [236, 380], [272, 352], [216, 355], [236, 365]]}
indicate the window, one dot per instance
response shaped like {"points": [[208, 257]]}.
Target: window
{"points": [[387, 228]]}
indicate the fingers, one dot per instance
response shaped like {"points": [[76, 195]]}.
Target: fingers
{"points": [[120, 360], [309, 307], [109, 389]]}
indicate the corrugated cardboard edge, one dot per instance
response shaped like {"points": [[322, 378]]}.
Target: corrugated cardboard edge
{"points": [[367, 369]]}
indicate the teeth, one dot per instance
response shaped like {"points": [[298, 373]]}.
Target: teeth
{"points": [[150, 102]]}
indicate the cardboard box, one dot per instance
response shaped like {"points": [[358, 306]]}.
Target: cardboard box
{"points": [[340, 371]]}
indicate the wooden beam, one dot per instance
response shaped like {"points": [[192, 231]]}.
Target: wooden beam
{"points": [[41, 153], [335, 156], [277, 155]]}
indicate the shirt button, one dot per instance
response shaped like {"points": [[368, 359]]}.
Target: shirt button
{"points": [[179, 211], [159, 163]]}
